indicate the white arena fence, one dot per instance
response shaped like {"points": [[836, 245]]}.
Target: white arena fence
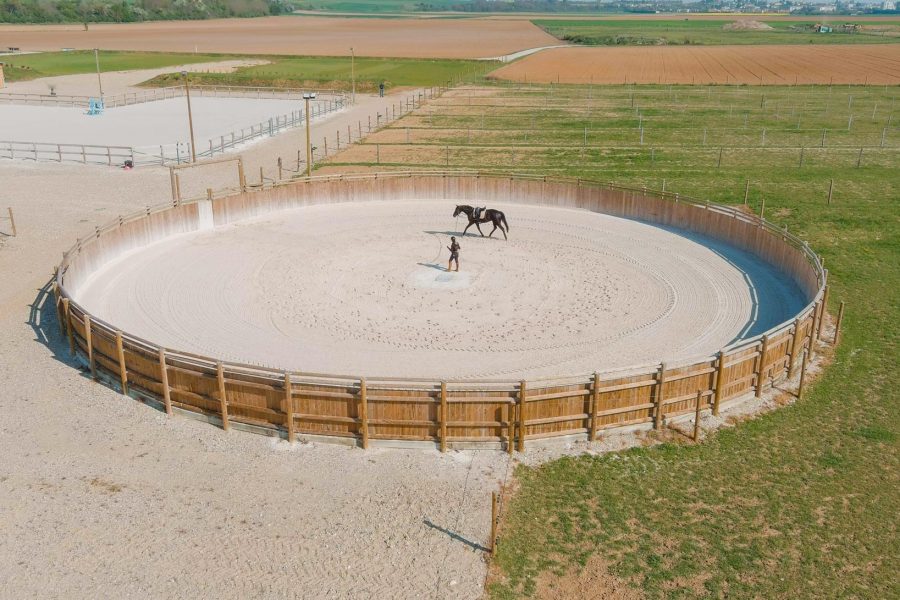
{"points": [[165, 93], [175, 153]]}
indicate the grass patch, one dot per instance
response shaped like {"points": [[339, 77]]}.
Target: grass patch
{"points": [[335, 72], [801, 502], [710, 32], [50, 64]]}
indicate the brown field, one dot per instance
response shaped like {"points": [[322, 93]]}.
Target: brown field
{"points": [[293, 35], [767, 65]]}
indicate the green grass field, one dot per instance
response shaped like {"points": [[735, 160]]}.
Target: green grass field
{"points": [[334, 72], [709, 32], [799, 503], [331, 72], [31, 66]]}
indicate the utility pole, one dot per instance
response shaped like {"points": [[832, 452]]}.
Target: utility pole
{"points": [[187, 94], [352, 76], [97, 62], [307, 97]]}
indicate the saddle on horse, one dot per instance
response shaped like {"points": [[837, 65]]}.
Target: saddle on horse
{"points": [[476, 213]]}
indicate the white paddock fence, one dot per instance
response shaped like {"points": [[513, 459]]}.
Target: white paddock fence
{"points": [[165, 93], [177, 152]]}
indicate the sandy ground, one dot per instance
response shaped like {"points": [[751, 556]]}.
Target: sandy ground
{"points": [[571, 292], [752, 65], [116, 82], [294, 35], [135, 505], [147, 126], [101, 496]]}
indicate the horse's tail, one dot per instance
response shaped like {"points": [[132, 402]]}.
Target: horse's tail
{"points": [[503, 219]]}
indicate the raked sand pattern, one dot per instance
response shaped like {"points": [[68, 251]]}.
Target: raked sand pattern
{"points": [[362, 290]]}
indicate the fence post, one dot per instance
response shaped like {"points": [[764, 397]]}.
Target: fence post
{"points": [[830, 190], [595, 406], [364, 413], [164, 379], [280, 169], [289, 406], [68, 318], [803, 374], [522, 392], [242, 180], [12, 221], [123, 372], [223, 400], [837, 326], [494, 516], [660, 380], [822, 312], [794, 350], [444, 416], [761, 365], [746, 192], [89, 342], [720, 377], [697, 416], [109, 156]]}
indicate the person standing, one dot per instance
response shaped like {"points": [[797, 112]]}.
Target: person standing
{"points": [[454, 253]]}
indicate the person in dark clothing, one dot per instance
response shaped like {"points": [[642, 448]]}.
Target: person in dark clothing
{"points": [[454, 253]]}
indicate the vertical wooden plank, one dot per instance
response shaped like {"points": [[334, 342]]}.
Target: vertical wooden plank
{"points": [[443, 416], [123, 372], [509, 411], [164, 379], [595, 406], [88, 340], [223, 399], [803, 374], [822, 315], [660, 382], [522, 391], [795, 346], [364, 413], [697, 416], [289, 406], [720, 382], [68, 319], [761, 365]]}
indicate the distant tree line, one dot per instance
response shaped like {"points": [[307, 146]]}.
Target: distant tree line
{"points": [[540, 6], [126, 11]]}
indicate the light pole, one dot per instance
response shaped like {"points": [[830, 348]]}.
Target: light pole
{"points": [[187, 94], [352, 76], [307, 97], [97, 62]]}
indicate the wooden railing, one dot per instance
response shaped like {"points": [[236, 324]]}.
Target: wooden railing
{"points": [[443, 412]]}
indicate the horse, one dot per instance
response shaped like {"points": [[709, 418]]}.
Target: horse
{"points": [[491, 215]]}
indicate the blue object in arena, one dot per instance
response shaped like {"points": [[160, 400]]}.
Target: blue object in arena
{"points": [[95, 107]]}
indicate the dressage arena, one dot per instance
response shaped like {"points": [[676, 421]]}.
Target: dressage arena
{"points": [[324, 308]]}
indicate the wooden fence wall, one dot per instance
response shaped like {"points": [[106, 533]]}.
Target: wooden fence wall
{"points": [[502, 413]]}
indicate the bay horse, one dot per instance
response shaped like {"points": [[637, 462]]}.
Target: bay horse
{"points": [[488, 215]]}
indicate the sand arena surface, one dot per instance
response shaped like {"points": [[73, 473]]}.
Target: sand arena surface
{"points": [[752, 65], [293, 35], [146, 124], [361, 289]]}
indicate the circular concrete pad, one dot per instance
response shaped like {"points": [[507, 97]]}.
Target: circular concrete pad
{"points": [[362, 289]]}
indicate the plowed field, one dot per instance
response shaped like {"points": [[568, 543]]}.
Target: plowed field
{"points": [[877, 64], [293, 35]]}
